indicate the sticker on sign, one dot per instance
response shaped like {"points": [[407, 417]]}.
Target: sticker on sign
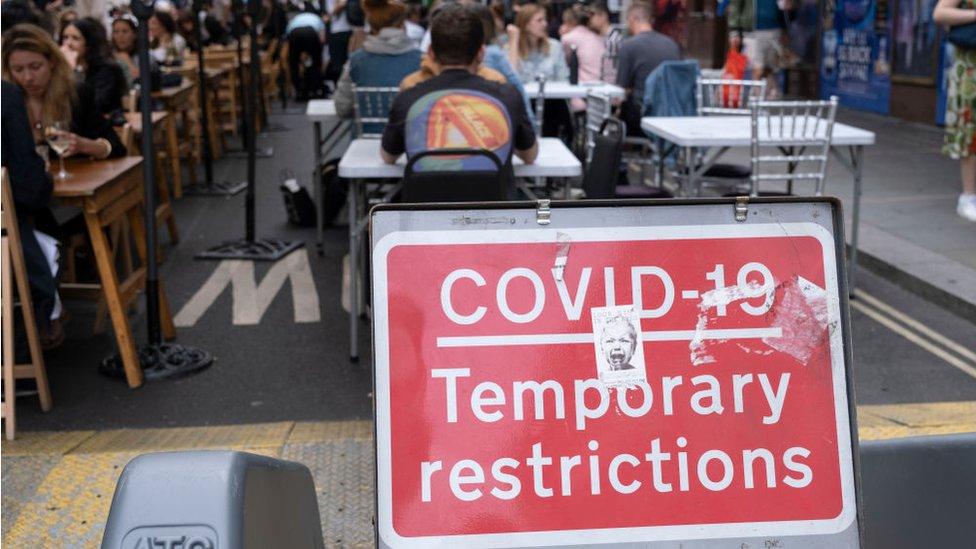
{"points": [[660, 383]]}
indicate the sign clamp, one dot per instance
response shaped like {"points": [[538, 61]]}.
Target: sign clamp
{"points": [[543, 214], [741, 208]]}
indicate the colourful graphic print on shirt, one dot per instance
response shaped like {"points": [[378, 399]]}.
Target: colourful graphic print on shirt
{"points": [[458, 119]]}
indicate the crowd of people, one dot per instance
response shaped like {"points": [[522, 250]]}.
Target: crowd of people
{"points": [[66, 74], [68, 71]]}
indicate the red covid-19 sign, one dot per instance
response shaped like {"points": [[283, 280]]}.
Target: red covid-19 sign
{"points": [[600, 385]]}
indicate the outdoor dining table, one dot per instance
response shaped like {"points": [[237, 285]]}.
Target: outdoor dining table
{"points": [[565, 90], [721, 133], [362, 163], [108, 192], [322, 112]]}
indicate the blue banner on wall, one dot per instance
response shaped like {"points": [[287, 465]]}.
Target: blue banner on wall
{"points": [[856, 54], [942, 84]]}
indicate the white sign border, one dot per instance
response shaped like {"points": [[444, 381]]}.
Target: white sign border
{"points": [[607, 535]]}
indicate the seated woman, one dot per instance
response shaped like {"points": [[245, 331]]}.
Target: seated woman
{"points": [[168, 47], [86, 47], [588, 45], [532, 53], [386, 57], [33, 61], [124, 31], [599, 22]]}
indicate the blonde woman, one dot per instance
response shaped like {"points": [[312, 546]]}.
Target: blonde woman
{"points": [[32, 61], [530, 50]]}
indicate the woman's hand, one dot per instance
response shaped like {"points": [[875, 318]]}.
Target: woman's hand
{"points": [[72, 141], [70, 54], [513, 33], [78, 145]]}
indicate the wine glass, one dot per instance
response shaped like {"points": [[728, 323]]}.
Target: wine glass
{"points": [[56, 138]]}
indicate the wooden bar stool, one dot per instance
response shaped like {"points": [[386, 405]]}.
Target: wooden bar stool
{"points": [[15, 268], [160, 121]]}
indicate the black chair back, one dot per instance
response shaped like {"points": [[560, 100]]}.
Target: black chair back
{"points": [[603, 171], [482, 185]]}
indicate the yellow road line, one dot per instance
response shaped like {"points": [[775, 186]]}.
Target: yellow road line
{"points": [[187, 438], [915, 338], [932, 334]]}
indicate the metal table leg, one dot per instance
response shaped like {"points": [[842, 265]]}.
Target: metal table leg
{"points": [[691, 180], [353, 206], [317, 186]]}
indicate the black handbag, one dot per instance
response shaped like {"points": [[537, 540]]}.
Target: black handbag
{"points": [[963, 36]]}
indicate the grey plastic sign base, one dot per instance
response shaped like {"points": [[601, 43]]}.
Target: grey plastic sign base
{"points": [[213, 500]]}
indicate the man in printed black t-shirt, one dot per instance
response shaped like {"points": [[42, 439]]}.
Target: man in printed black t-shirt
{"points": [[457, 108]]}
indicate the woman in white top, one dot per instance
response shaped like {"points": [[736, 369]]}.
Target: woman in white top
{"points": [[168, 47]]}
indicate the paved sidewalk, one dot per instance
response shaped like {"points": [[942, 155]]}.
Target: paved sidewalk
{"points": [[58, 486], [910, 231]]}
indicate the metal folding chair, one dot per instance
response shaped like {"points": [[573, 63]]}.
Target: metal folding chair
{"points": [[598, 109], [540, 103], [371, 109], [790, 129], [637, 150]]}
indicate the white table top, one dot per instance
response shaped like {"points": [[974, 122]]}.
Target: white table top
{"points": [[565, 90], [362, 161], [731, 131], [321, 110]]}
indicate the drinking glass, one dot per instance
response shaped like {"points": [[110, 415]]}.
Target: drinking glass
{"points": [[56, 138]]}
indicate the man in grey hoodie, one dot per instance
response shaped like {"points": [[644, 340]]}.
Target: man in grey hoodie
{"points": [[386, 57]]}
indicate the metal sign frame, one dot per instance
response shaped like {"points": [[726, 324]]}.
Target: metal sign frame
{"points": [[544, 215]]}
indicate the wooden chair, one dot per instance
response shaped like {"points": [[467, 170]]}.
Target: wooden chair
{"points": [[229, 99], [15, 268]]}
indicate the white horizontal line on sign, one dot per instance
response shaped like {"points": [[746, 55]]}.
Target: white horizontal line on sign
{"points": [[569, 339]]}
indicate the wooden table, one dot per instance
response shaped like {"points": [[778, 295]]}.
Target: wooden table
{"points": [[178, 101], [108, 191], [160, 124]]}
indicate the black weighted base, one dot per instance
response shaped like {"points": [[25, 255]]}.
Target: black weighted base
{"points": [[219, 188], [265, 249], [163, 361]]}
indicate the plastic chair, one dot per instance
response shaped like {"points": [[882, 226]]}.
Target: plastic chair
{"points": [[371, 109], [478, 184], [636, 150], [603, 169], [790, 128]]}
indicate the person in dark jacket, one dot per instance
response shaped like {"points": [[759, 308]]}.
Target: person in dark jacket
{"points": [[86, 42], [31, 188], [32, 61]]}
